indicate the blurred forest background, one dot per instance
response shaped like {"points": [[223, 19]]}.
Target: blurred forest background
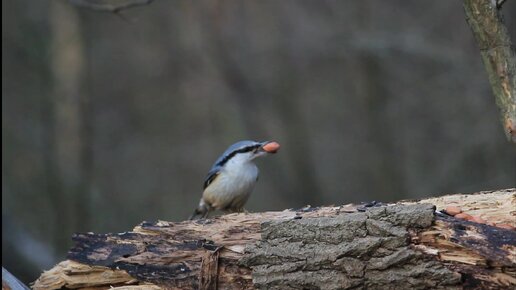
{"points": [[109, 120]]}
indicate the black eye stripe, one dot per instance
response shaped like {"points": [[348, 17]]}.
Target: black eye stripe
{"points": [[241, 150]]}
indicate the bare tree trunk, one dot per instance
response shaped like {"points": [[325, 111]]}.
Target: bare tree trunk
{"points": [[498, 56], [72, 132], [398, 246]]}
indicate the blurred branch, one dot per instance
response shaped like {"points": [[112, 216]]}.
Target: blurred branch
{"points": [[499, 3], [109, 5], [498, 56], [11, 282], [71, 108]]}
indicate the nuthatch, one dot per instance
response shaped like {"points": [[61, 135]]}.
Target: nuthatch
{"points": [[232, 177]]}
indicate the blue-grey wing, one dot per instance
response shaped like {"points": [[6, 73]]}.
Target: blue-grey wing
{"points": [[212, 174]]}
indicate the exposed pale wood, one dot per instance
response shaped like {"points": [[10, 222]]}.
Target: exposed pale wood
{"points": [[385, 245], [472, 248], [75, 275], [495, 206]]}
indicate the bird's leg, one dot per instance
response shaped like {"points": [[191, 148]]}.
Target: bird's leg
{"points": [[201, 211], [206, 213]]}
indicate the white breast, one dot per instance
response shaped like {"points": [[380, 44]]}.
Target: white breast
{"points": [[231, 189]]}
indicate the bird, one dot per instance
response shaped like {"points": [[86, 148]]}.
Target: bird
{"points": [[232, 177]]}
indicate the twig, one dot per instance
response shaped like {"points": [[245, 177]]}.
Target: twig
{"points": [[109, 6], [499, 3]]}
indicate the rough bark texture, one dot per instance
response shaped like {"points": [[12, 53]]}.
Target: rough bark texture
{"points": [[374, 246], [364, 250], [498, 56]]}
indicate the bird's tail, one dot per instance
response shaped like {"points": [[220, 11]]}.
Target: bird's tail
{"points": [[201, 211]]}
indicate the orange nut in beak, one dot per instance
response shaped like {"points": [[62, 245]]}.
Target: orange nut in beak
{"points": [[271, 147]]}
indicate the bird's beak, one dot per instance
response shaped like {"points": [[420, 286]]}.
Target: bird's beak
{"points": [[270, 147]]}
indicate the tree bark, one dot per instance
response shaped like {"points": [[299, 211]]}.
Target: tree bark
{"points": [[373, 246], [498, 56]]}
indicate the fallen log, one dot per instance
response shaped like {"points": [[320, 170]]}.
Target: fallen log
{"points": [[380, 246]]}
